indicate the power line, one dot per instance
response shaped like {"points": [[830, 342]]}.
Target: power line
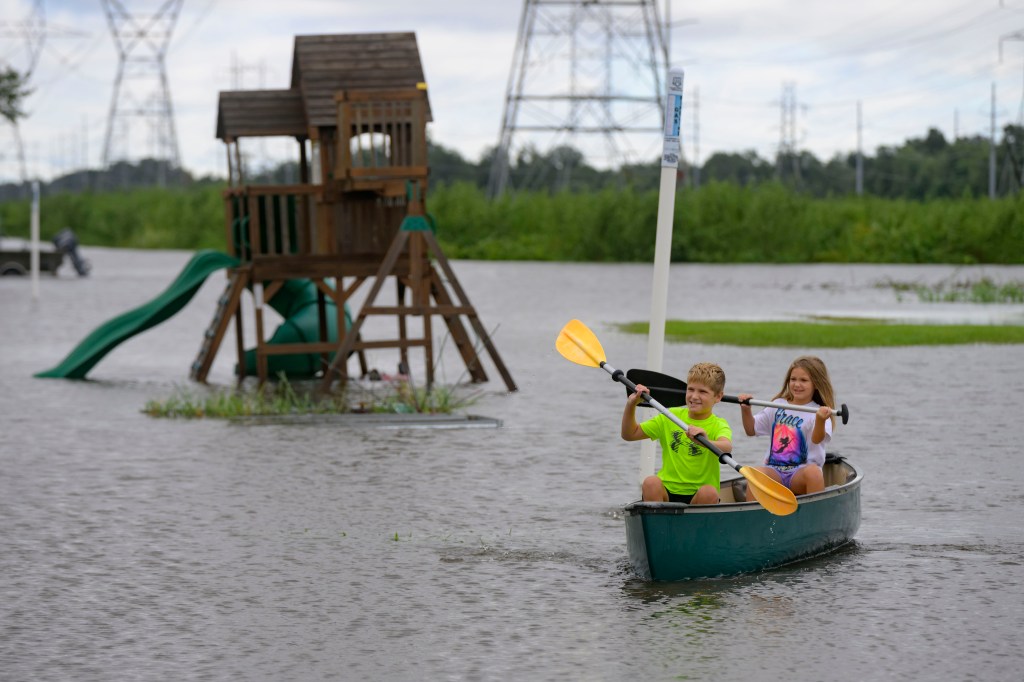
{"points": [[142, 46]]}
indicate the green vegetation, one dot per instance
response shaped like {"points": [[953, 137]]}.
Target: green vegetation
{"points": [[404, 397], [726, 223], [150, 218], [984, 290], [833, 333], [719, 223], [926, 202], [282, 398]]}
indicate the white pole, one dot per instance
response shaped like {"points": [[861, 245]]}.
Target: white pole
{"points": [[34, 254], [671, 150]]}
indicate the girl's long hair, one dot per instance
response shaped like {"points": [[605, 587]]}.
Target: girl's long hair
{"points": [[823, 393]]}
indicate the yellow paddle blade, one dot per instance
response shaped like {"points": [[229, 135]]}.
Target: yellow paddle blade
{"points": [[772, 495], [577, 343]]}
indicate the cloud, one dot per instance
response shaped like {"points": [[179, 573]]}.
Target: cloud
{"points": [[911, 65]]}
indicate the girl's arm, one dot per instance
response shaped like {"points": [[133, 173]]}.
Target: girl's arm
{"points": [[630, 428], [746, 413], [818, 432]]}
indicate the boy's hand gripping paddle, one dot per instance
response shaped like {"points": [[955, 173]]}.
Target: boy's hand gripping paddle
{"points": [[578, 344]]}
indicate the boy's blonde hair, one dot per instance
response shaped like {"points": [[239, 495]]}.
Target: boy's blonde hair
{"points": [[709, 374]]}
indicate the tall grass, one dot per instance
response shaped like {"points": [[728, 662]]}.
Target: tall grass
{"points": [[151, 218], [725, 223], [831, 334], [282, 398], [717, 223], [983, 290]]}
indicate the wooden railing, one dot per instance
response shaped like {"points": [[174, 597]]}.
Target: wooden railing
{"points": [[273, 220], [381, 139]]}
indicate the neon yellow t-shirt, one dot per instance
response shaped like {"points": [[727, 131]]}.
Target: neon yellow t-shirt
{"points": [[685, 464]]}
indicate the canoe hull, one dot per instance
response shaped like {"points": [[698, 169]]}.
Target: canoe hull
{"points": [[668, 541]]}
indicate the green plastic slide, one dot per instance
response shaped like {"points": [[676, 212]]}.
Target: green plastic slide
{"points": [[296, 302], [108, 335]]}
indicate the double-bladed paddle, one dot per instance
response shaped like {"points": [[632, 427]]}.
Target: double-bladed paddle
{"points": [[578, 344], [672, 392]]}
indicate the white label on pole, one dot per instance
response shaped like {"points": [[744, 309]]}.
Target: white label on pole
{"points": [[673, 120], [257, 290]]}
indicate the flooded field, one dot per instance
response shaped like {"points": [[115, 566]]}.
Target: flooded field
{"points": [[143, 548]]}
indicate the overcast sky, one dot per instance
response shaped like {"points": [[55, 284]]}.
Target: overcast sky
{"points": [[913, 65]]}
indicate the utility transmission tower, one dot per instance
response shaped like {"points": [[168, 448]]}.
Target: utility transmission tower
{"points": [[33, 31], [593, 68], [1016, 35], [787, 132], [1017, 164], [141, 90]]}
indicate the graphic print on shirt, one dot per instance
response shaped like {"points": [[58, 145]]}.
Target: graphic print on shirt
{"points": [[677, 440], [789, 446]]}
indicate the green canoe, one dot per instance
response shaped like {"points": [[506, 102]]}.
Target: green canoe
{"points": [[672, 541]]}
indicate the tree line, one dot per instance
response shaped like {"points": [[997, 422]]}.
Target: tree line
{"points": [[920, 169]]}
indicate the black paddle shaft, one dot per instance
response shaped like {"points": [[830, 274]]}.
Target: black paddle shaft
{"points": [[672, 391], [620, 376]]}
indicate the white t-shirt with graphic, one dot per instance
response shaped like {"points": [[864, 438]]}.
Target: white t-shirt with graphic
{"points": [[791, 436]]}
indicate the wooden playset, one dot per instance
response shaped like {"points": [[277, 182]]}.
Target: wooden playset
{"points": [[358, 110]]}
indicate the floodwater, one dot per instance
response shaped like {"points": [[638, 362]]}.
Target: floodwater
{"points": [[140, 548]]}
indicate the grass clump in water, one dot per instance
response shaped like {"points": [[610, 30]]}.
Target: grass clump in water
{"points": [[984, 290], [282, 398], [403, 397], [837, 333]]}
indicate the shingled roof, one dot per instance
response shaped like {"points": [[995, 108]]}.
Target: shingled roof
{"points": [[322, 65], [260, 113], [325, 64]]}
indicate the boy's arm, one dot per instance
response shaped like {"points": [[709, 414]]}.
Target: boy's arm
{"points": [[723, 443], [630, 428]]}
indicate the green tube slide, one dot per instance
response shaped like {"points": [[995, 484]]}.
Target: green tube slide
{"points": [[296, 302]]}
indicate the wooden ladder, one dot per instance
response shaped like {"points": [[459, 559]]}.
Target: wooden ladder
{"points": [[227, 306]]}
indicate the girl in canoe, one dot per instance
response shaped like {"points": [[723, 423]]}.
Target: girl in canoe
{"points": [[796, 452]]}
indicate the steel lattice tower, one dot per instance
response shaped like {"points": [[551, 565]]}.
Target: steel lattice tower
{"points": [[787, 133], [593, 68], [141, 90]]}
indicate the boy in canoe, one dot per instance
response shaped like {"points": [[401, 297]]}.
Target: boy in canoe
{"points": [[689, 472]]}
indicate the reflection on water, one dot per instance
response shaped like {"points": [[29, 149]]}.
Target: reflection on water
{"points": [[156, 549]]}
